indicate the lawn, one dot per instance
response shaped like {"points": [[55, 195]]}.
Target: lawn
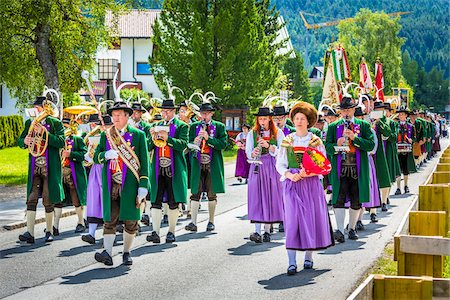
{"points": [[13, 166], [230, 155]]}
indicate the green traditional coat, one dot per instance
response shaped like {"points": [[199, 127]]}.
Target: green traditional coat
{"points": [[411, 163], [391, 151], [177, 141], [381, 164], [145, 127], [55, 143], [316, 131], [364, 142], [217, 142], [128, 210], [76, 159]]}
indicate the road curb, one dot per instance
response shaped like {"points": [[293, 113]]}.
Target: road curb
{"points": [[22, 224]]}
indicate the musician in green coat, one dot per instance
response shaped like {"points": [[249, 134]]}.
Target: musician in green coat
{"points": [[44, 171], [168, 173], [125, 183], [209, 138], [350, 175], [391, 145]]}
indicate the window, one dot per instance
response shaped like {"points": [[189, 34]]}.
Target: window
{"points": [[237, 123], [229, 123], [107, 68], [143, 69]]}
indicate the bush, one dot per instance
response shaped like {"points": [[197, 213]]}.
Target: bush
{"points": [[10, 129]]}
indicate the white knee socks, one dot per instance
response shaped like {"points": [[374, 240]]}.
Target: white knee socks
{"points": [[258, 228], [156, 219], [127, 241], [361, 213], [194, 211], [173, 218], [267, 228], [339, 214], [308, 255], [354, 215], [212, 210], [49, 221], [92, 229], [384, 194], [58, 213], [108, 242], [405, 179], [292, 256], [79, 211], [31, 220]]}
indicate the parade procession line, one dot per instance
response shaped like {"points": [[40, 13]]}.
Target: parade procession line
{"points": [[223, 264]]}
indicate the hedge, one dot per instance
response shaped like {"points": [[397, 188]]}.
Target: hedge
{"points": [[10, 129]]}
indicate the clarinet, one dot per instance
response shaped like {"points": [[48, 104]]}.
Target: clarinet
{"points": [[203, 124], [346, 126], [261, 135]]}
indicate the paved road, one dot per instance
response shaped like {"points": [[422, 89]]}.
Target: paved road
{"points": [[222, 265]]}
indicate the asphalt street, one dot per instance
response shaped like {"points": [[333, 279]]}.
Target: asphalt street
{"points": [[223, 264]]}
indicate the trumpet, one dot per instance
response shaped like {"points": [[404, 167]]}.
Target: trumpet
{"points": [[158, 141], [197, 149]]}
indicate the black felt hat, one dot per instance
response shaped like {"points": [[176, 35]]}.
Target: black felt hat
{"points": [[246, 126], [66, 121], [106, 119], [93, 118], [378, 105], [388, 106], [39, 100], [183, 104], [359, 112], [207, 107], [347, 102], [331, 113], [264, 112], [137, 106], [280, 111], [120, 105], [404, 110], [157, 117], [168, 104]]}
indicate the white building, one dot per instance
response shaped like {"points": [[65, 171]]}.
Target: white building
{"points": [[7, 103]]}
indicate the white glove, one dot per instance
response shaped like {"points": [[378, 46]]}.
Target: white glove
{"points": [[142, 193], [111, 154], [88, 158]]}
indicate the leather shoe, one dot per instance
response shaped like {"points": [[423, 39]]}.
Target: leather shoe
{"points": [[384, 207], [154, 237], [256, 237], [80, 228], [339, 236], [398, 192], [308, 264], [191, 227], [352, 235], [210, 227], [373, 218], [126, 259], [170, 238], [48, 237], [359, 226], [266, 237], [88, 239], [104, 258], [292, 270], [406, 189], [145, 220], [26, 237], [281, 227], [55, 231]]}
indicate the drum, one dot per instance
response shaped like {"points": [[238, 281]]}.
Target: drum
{"points": [[404, 148]]}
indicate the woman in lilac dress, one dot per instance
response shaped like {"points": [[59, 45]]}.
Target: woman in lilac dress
{"points": [[306, 220], [265, 203], [242, 166]]}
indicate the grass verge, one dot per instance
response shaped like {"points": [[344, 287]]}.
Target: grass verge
{"points": [[13, 166]]}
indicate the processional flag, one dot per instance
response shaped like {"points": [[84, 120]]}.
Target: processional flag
{"points": [[379, 80]]}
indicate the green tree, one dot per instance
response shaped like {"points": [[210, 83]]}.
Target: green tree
{"points": [[297, 77], [373, 35], [410, 69], [216, 45], [49, 42]]}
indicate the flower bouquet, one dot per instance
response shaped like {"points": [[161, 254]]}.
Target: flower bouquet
{"points": [[314, 162]]}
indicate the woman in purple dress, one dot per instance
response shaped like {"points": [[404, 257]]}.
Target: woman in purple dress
{"points": [[306, 220], [242, 166], [265, 203]]}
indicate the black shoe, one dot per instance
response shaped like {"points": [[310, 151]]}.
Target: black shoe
{"points": [[210, 227], [256, 237], [139, 230], [165, 219], [292, 270], [359, 226], [26, 237], [104, 258], [126, 259], [154, 237], [119, 228], [406, 189], [48, 237], [384, 207], [266, 237], [339, 236], [240, 179], [373, 218], [88, 239], [398, 192], [145, 220], [352, 235], [170, 238], [281, 227], [191, 227], [80, 228], [55, 231], [86, 223], [271, 228], [388, 201], [308, 264], [246, 181]]}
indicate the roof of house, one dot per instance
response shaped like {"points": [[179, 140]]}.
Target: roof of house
{"points": [[133, 24]]}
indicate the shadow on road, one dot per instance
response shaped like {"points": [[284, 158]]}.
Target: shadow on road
{"points": [[96, 274], [250, 248], [79, 249], [243, 218], [151, 248], [23, 248], [283, 282]]}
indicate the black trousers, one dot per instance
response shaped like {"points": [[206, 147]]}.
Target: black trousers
{"points": [[205, 185], [403, 160], [165, 188], [348, 187]]}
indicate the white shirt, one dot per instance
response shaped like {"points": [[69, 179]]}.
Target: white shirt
{"points": [[249, 146], [282, 164]]}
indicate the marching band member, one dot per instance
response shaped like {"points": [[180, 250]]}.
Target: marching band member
{"points": [[44, 170], [123, 151], [419, 137], [94, 211], [265, 204], [405, 139], [242, 166], [168, 173], [280, 116], [350, 175], [74, 176], [207, 169], [306, 219], [391, 145]]}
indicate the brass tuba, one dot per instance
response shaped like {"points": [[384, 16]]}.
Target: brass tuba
{"points": [[39, 140]]}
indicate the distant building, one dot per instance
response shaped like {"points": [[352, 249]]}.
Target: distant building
{"points": [[316, 76], [7, 102]]}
